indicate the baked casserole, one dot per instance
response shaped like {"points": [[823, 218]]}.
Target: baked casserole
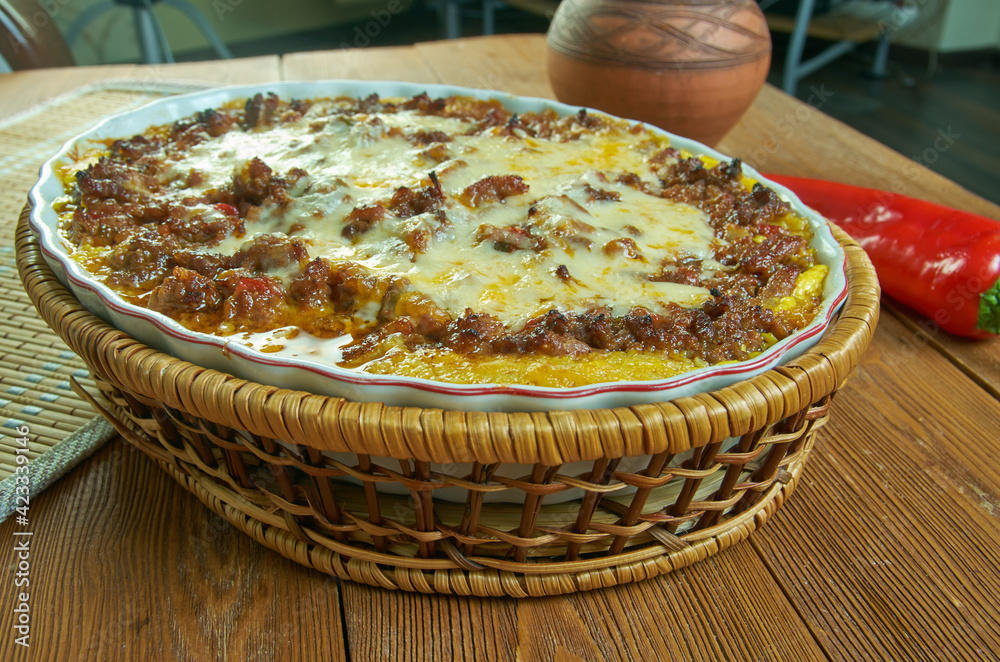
{"points": [[448, 239]]}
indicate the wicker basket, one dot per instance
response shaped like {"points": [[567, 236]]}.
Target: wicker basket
{"points": [[304, 474]]}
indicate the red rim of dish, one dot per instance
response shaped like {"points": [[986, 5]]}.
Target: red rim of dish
{"points": [[167, 326]]}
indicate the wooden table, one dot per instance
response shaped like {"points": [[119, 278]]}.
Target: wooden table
{"points": [[889, 549]]}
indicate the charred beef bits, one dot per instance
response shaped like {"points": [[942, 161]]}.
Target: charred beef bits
{"points": [[110, 202], [473, 333], [406, 202], [269, 252], [361, 219], [624, 246], [495, 188], [183, 292], [256, 304], [254, 183], [511, 238], [141, 261], [260, 110]]}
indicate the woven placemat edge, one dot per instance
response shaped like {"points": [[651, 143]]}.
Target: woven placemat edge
{"points": [[55, 462], [166, 86]]}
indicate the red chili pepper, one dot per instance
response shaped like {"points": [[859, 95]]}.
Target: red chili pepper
{"points": [[255, 286], [941, 262], [227, 209]]}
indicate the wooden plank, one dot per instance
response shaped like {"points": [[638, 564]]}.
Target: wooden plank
{"points": [[514, 64], [554, 629], [892, 548], [979, 359], [660, 619], [21, 90], [399, 626], [396, 63], [126, 565], [726, 607], [237, 71]]}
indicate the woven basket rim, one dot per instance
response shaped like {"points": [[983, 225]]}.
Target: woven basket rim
{"points": [[436, 435]]}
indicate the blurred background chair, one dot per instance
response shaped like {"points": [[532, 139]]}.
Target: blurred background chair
{"points": [[29, 38], [452, 12], [546, 8], [846, 23], [149, 31]]}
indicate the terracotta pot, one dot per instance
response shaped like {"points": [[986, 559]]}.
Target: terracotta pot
{"points": [[691, 67]]}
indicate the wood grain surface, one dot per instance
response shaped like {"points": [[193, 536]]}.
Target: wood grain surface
{"points": [[888, 550]]}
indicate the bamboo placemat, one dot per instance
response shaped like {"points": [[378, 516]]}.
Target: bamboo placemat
{"points": [[36, 367]]}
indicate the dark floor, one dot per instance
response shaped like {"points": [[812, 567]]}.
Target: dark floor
{"points": [[948, 120], [421, 24]]}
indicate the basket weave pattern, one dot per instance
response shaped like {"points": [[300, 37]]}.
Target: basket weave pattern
{"points": [[591, 498]]}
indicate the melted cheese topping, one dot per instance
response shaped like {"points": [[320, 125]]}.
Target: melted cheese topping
{"points": [[362, 159]]}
